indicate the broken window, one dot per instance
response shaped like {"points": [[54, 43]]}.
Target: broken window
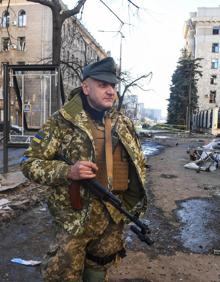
{"points": [[21, 18], [213, 79], [212, 97], [21, 43], [5, 19], [5, 43]]}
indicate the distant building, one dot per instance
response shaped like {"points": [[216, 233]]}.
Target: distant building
{"points": [[153, 114], [140, 111], [130, 106], [26, 38], [202, 33]]}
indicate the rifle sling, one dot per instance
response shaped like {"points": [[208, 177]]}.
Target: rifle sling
{"points": [[108, 152]]}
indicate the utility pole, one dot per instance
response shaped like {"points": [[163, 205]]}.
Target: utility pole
{"points": [[120, 62]]}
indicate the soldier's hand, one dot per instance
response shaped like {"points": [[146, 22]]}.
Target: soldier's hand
{"points": [[82, 170]]}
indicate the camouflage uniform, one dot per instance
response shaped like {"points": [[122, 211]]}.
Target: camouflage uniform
{"points": [[97, 227]]}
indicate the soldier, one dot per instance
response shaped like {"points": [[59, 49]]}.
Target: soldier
{"points": [[101, 143]]}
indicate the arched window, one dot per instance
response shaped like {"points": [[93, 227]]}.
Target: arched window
{"points": [[22, 18], [5, 19]]}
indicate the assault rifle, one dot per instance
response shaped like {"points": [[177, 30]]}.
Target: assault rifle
{"points": [[139, 228]]}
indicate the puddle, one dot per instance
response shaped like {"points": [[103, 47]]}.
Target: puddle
{"points": [[200, 219], [151, 148], [168, 176]]}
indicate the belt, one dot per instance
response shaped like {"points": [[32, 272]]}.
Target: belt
{"points": [[106, 259]]}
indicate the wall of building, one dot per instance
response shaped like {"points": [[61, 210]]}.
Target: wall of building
{"points": [[202, 42], [37, 32]]}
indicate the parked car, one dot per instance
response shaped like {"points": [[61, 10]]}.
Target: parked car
{"points": [[14, 129]]}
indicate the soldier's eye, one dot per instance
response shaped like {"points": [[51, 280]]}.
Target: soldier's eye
{"points": [[103, 84]]}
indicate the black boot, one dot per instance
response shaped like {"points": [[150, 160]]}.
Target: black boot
{"points": [[94, 275]]}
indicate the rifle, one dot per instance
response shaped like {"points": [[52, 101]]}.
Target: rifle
{"points": [[139, 228]]}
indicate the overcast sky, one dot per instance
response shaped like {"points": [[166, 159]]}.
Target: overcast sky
{"points": [[153, 38]]}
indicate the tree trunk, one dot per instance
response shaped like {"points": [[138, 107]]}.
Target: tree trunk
{"points": [[56, 40], [56, 49]]}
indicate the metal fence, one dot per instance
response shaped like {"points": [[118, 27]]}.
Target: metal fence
{"points": [[31, 94]]}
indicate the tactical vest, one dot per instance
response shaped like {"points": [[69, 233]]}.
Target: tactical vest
{"points": [[120, 161]]}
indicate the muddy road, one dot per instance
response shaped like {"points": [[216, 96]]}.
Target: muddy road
{"points": [[183, 214]]}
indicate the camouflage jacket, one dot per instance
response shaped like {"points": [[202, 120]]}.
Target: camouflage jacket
{"points": [[67, 133]]}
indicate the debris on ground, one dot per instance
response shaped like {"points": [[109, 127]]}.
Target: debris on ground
{"points": [[205, 158], [26, 262]]}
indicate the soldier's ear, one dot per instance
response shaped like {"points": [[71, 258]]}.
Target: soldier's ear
{"points": [[85, 87]]}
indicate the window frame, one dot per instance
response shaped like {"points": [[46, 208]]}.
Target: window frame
{"points": [[214, 64], [22, 18], [5, 19], [215, 30], [213, 79], [21, 44], [3, 46], [215, 47], [212, 97]]}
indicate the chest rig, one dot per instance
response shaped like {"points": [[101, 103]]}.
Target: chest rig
{"points": [[112, 163]]}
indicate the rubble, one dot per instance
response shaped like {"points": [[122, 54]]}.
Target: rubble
{"points": [[11, 180], [17, 194]]}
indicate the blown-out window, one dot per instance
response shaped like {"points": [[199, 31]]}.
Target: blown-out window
{"points": [[21, 43], [5, 43], [213, 79], [212, 97]]}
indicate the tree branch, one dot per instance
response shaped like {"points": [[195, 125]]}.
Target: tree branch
{"points": [[69, 13], [43, 2], [7, 24], [112, 12], [133, 4], [132, 83]]}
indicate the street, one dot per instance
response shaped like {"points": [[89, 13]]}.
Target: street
{"points": [[183, 216]]}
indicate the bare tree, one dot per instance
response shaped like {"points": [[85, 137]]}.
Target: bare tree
{"points": [[59, 15], [128, 84]]}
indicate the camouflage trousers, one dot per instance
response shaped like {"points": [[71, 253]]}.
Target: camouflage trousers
{"points": [[66, 260]]}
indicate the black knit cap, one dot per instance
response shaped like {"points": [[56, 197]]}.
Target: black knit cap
{"points": [[104, 70]]}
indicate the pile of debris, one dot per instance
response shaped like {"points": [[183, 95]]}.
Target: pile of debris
{"points": [[205, 158], [18, 194]]}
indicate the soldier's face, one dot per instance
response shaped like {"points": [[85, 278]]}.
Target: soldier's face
{"points": [[100, 95]]}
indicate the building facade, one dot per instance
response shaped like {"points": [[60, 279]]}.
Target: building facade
{"points": [[130, 107], [202, 40], [153, 114], [26, 38]]}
